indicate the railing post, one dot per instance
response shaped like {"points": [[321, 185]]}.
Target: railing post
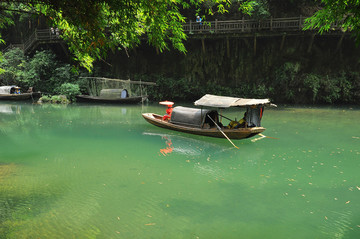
{"points": [[300, 23], [271, 23], [216, 25], [190, 30]]}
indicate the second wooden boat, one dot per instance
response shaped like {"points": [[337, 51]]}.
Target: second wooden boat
{"points": [[118, 100]]}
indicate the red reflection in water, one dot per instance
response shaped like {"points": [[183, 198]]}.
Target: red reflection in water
{"points": [[169, 148]]}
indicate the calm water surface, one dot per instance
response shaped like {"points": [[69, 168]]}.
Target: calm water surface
{"points": [[102, 171]]}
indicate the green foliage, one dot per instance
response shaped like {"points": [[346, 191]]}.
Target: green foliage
{"points": [[336, 13], [312, 82], [94, 27], [297, 87], [179, 89], [345, 86], [185, 90], [6, 18], [55, 99], [287, 81], [45, 99], [42, 71], [12, 65], [38, 69], [69, 90], [336, 89], [331, 91], [291, 85], [258, 9], [58, 99]]}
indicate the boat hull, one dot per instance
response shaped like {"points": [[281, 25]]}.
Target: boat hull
{"points": [[240, 133], [96, 99], [23, 96]]}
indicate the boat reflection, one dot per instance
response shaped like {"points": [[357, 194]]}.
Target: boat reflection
{"points": [[9, 109], [169, 147], [186, 146]]}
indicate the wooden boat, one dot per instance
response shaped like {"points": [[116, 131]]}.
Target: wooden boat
{"points": [[22, 96], [116, 92], [206, 122], [13, 93], [119, 96], [118, 100]]}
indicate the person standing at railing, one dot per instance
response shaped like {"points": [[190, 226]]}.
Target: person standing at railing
{"points": [[52, 31], [198, 20]]}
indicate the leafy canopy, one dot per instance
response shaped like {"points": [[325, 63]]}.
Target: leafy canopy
{"points": [[344, 13], [92, 27]]}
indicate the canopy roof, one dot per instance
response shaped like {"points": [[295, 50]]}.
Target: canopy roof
{"points": [[191, 116], [226, 101], [168, 103], [6, 89]]}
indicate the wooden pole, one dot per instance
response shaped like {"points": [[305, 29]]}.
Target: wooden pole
{"points": [[125, 81], [255, 44], [228, 47], [282, 41], [218, 127], [203, 44], [311, 43]]}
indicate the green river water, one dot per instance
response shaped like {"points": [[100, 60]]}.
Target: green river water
{"points": [[102, 171]]}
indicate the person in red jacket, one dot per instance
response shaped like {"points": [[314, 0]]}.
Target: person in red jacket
{"points": [[169, 109]]}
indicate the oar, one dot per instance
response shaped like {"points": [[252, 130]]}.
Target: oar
{"points": [[222, 132], [261, 137], [267, 136]]}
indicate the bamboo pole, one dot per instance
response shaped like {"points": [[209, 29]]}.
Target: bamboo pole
{"points": [[119, 80]]}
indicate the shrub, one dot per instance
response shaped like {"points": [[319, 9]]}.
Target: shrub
{"points": [[45, 99], [288, 81], [59, 99], [312, 82], [69, 90]]}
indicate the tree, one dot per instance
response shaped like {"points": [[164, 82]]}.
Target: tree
{"points": [[343, 13], [92, 27]]}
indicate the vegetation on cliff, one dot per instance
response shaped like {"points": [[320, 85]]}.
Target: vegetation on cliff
{"points": [[91, 28], [95, 29]]}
